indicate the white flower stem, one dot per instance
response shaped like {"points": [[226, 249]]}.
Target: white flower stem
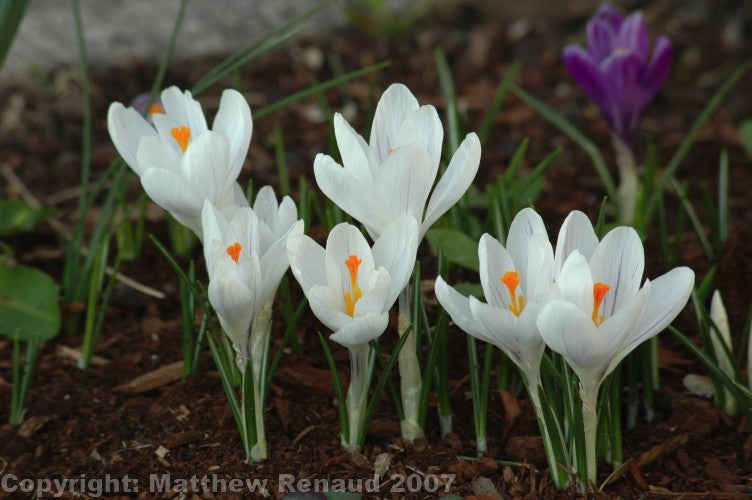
{"points": [[589, 396], [259, 349], [357, 395], [560, 477], [409, 368], [629, 180]]}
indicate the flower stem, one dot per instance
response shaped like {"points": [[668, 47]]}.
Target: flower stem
{"points": [[559, 475], [589, 396], [357, 395], [628, 180], [259, 351], [409, 368]]}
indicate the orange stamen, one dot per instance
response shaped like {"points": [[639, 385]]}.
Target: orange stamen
{"points": [[351, 297], [181, 134], [599, 291], [234, 251], [156, 108], [511, 280], [391, 150]]}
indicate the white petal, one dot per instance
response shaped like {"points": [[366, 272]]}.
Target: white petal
{"points": [[152, 153], [456, 179], [396, 103], [526, 224], [498, 327], [344, 241], [458, 308], [329, 307], [233, 197], [234, 122], [576, 283], [423, 125], [212, 223], [570, 332], [354, 156], [618, 261], [540, 267], [306, 262], [204, 165], [275, 261], [668, 296], [182, 109], [235, 305], [341, 187], [266, 207], [288, 215], [619, 330], [361, 330], [375, 294], [576, 233], [171, 192], [396, 250], [402, 184], [699, 385], [127, 127], [494, 263]]}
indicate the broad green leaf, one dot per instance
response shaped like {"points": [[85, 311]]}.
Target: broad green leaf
{"points": [[458, 248], [468, 289], [18, 216], [28, 303]]}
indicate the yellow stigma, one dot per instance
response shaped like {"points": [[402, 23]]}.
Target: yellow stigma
{"points": [[234, 251], [621, 51], [181, 134], [391, 150], [351, 297], [511, 280], [155, 108], [599, 291]]}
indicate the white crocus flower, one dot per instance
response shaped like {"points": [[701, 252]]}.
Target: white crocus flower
{"points": [[390, 176], [603, 314], [517, 282], [351, 287], [244, 272], [179, 160], [393, 174]]}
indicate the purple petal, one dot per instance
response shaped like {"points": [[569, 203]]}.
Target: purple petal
{"points": [[585, 72], [633, 35], [601, 38], [657, 69], [622, 72], [609, 15]]}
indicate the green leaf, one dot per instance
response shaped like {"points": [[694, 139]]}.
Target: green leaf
{"points": [[468, 289], [18, 216], [458, 248], [28, 303], [745, 135]]}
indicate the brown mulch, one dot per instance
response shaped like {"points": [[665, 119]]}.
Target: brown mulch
{"points": [[79, 424]]}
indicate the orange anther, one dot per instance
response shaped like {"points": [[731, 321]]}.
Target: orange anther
{"points": [[599, 291], [234, 251], [181, 134]]}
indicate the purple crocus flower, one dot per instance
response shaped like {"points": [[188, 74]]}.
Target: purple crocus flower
{"points": [[616, 70], [141, 101]]}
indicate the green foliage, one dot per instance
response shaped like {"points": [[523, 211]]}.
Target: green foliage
{"points": [[28, 303], [11, 14], [745, 135], [18, 216], [458, 247]]}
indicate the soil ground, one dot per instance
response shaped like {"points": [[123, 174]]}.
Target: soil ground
{"points": [[78, 425]]}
